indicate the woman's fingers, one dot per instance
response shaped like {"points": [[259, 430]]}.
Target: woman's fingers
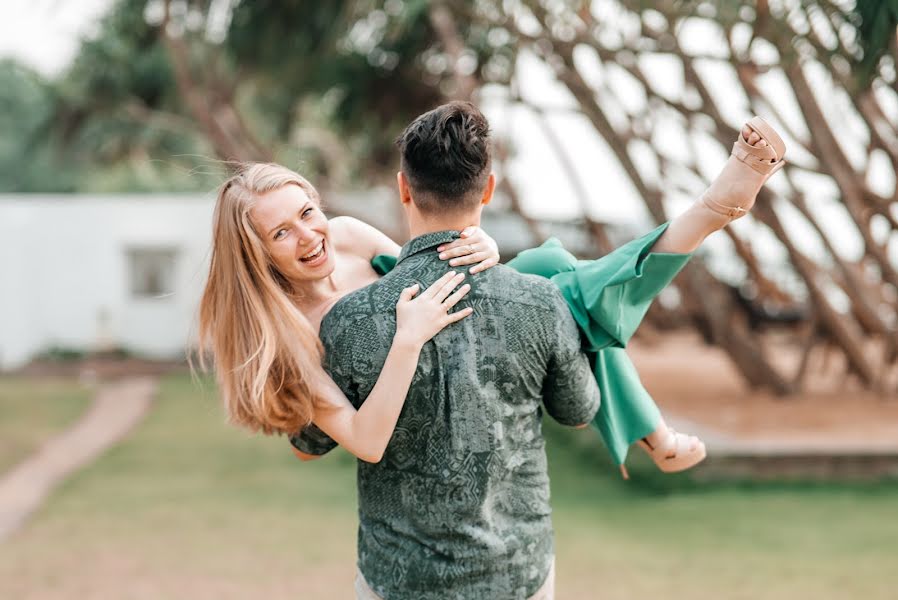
{"points": [[486, 264], [457, 296], [458, 248], [458, 315], [421, 317], [408, 293], [437, 285], [470, 259], [465, 233], [447, 288]]}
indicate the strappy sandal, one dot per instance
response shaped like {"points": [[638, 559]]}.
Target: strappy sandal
{"points": [[678, 452], [747, 169]]}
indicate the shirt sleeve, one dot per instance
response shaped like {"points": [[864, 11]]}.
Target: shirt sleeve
{"points": [[311, 440], [570, 393]]}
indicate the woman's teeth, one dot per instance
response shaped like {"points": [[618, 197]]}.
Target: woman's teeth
{"points": [[314, 253]]}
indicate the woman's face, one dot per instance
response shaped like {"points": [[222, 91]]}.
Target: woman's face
{"points": [[295, 233]]}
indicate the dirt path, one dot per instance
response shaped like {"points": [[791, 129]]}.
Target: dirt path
{"points": [[117, 407]]}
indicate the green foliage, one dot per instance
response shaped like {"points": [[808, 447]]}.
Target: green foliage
{"points": [[118, 105], [100, 125], [875, 21], [26, 104], [326, 85], [370, 66]]}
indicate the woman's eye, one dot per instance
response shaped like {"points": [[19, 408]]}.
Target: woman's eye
{"points": [[307, 212], [280, 233]]}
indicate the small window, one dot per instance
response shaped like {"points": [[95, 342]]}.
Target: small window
{"points": [[151, 272]]}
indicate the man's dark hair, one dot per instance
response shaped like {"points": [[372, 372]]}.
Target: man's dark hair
{"points": [[445, 157]]}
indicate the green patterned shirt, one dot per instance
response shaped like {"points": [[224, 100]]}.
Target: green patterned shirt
{"points": [[459, 505]]}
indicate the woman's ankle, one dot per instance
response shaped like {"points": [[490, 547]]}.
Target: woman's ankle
{"points": [[657, 436]]}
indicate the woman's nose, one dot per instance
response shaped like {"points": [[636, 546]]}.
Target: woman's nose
{"points": [[304, 233]]}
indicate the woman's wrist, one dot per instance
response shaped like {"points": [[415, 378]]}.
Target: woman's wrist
{"points": [[404, 340]]}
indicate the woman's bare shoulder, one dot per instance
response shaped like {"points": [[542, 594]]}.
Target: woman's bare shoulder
{"points": [[342, 230], [357, 237]]}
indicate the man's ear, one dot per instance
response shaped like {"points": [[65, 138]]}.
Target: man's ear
{"points": [[405, 194], [490, 188]]}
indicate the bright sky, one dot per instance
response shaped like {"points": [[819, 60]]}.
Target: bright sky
{"points": [[45, 33]]}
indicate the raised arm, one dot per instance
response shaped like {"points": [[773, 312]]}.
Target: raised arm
{"points": [[365, 432]]}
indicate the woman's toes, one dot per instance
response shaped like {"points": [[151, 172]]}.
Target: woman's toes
{"points": [[753, 138]]}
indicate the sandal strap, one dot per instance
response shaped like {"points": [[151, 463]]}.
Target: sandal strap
{"points": [[733, 212], [763, 159], [676, 452], [746, 152], [766, 160]]}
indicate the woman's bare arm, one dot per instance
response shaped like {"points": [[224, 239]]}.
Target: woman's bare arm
{"points": [[365, 432]]}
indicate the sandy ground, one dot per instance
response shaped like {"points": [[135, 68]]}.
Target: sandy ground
{"points": [[698, 382]]}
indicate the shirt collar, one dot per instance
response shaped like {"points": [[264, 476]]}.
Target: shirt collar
{"points": [[426, 242]]}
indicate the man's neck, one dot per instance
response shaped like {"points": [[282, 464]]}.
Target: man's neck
{"points": [[419, 225]]}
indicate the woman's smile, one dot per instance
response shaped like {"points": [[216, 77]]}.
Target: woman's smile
{"points": [[317, 256]]}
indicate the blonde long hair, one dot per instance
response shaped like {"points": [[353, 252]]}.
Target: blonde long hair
{"points": [[267, 355]]}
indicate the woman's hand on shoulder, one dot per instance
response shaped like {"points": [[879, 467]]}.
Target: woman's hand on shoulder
{"points": [[474, 247], [419, 318]]}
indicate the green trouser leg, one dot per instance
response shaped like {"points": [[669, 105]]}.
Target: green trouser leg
{"points": [[628, 413], [608, 298]]}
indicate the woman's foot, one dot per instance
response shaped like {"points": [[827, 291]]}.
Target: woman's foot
{"points": [[672, 451], [757, 154]]}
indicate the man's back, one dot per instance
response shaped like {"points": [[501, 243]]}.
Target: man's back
{"points": [[459, 505]]}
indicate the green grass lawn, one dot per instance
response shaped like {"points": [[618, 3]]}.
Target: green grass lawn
{"points": [[191, 508], [32, 411]]}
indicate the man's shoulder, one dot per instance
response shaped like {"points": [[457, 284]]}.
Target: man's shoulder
{"points": [[521, 288], [349, 311]]}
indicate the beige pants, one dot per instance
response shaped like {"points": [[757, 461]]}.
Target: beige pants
{"points": [[547, 592]]}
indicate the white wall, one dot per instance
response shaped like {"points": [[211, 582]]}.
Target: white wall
{"points": [[63, 260]]}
